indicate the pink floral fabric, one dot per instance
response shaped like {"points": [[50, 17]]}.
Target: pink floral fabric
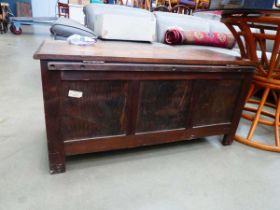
{"points": [[177, 36]]}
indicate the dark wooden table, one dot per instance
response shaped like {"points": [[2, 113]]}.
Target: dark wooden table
{"points": [[119, 95]]}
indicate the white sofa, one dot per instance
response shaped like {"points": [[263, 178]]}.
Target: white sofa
{"points": [[115, 22]]}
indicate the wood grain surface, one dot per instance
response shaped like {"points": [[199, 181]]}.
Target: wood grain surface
{"points": [[132, 52]]}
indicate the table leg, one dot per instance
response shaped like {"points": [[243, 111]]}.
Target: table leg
{"points": [[228, 138], [51, 89]]}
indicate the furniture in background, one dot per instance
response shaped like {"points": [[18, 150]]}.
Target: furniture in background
{"points": [[24, 16], [126, 23], [180, 6], [202, 4], [267, 78], [245, 5], [4, 17], [184, 7], [17, 22], [12, 5], [63, 9], [175, 6], [23, 8], [97, 98], [190, 6]]}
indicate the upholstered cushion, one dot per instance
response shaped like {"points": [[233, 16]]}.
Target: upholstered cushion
{"points": [[93, 10], [66, 27], [121, 23]]}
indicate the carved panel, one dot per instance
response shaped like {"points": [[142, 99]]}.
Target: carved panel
{"points": [[214, 101], [163, 105], [100, 111]]}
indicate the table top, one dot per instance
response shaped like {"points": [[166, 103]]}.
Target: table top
{"points": [[132, 52]]}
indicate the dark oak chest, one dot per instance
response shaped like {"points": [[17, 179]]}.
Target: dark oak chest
{"points": [[118, 95]]}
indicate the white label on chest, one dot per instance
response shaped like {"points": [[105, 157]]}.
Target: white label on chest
{"points": [[75, 94]]}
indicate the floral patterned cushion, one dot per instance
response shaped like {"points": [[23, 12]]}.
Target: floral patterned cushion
{"points": [[177, 36]]}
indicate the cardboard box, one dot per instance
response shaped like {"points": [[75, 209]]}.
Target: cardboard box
{"points": [[81, 2]]}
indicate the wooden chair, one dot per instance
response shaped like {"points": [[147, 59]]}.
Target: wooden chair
{"points": [[181, 6], [63, 9], [202, 4], [182, 9], [252, 33], [193, 5], [144, 4], [160, 4], [175, 6]]}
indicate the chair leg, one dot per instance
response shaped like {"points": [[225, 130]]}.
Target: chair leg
{"points": [[258, 114], [251, 92], [276, 124]]}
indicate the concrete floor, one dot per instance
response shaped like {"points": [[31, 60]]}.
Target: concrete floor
{"points": [[191, 175]]}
